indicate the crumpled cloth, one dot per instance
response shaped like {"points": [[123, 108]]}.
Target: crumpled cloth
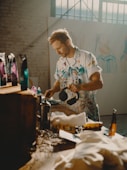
{"points": [[72, 120], [95, 152]]}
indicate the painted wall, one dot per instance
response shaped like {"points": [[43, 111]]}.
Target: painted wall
{"points": [[109, 44]]}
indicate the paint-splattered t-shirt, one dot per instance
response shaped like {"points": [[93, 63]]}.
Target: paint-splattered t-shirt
{"points": [[78, 69]]}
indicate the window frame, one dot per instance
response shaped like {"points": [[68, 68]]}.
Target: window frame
{"points": [[91, 16]]}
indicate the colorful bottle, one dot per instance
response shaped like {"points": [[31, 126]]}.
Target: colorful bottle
{"points": [[9, 64], [24, 77], [14, 73], [113, 126], [3, 75], [12, 70]]}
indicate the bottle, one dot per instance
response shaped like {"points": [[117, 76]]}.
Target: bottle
{"points": [[9, 63], [45, 114], [113, 126], [39, 91], [12, 70], [24, 78], [3, 75]]}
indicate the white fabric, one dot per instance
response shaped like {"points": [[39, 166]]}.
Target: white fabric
{"points": [[94, 152], [72, 120]]}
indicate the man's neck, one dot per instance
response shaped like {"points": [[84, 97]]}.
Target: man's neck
{"points": [[72, 52]]}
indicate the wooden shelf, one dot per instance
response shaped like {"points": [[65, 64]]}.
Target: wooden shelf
{"points": [[9, 89]]}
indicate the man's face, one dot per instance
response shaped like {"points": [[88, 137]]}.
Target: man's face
{"points": [[60, 48]]}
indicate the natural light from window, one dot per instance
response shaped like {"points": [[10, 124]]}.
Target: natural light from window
{"points": [[95, 10]]}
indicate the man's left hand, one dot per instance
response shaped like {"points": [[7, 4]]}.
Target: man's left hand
{"points": [[74, 87]]}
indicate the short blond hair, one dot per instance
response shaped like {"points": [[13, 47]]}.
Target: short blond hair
{"points": [[61, 35]]}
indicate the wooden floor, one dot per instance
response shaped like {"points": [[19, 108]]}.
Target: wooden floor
{"points": [[121, 123]]}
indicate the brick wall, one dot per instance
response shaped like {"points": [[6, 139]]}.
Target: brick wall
{"points": [[23, 29]]}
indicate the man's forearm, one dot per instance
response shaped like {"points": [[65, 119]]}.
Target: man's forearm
{"points": [[56, 86], [91, 86], [95, 83]]}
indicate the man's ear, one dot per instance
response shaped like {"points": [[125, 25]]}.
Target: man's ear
{"points": [[68, 42]]}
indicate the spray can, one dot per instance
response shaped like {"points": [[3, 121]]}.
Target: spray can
{"points": [[45, 114]]}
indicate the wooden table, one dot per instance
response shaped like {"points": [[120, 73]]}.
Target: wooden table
{"points": [[46, 160]]}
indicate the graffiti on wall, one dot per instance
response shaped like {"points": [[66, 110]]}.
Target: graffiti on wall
{"points": [[107, 59]]}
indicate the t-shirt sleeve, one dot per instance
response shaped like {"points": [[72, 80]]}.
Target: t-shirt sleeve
{"points": [[92, 64]]}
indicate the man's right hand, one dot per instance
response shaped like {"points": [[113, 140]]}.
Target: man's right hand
{"points": [[49, 93]]}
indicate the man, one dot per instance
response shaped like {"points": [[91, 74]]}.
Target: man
{"points": [[77, 75]]}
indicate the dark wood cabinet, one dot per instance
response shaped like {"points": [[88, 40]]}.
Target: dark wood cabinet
{"points": [[17, 126]]}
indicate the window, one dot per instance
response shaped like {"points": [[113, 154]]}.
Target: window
{"points": [[106, 11], [114, 11]]}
